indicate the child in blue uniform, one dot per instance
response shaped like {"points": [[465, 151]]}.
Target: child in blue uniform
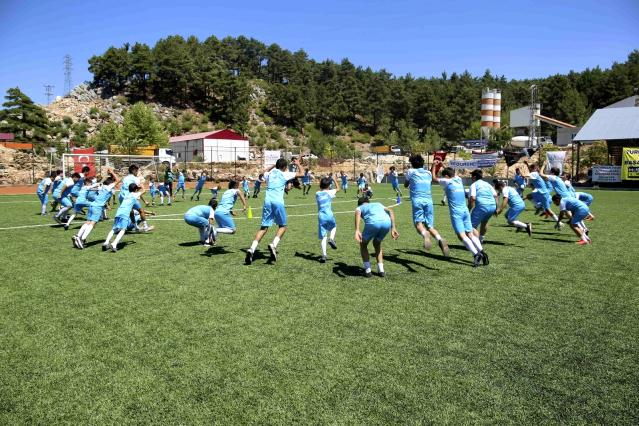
{"points": [[344, 177], [63, 195], [512, 199], [459, 214], [579, 212], [81, 201], [163, 190], [224, 210], [393, 178], [378, 221], [245, 187], [273, 210], [96, 209], [199, 186], [257, 186], [556, 182], [57, 180], [180, 185], [202, 218], [483, 202], [361, 184], [325, 217], [43, 192], [543, 196], [520, 182], [123, 217], [419, 183], [306, 182]]}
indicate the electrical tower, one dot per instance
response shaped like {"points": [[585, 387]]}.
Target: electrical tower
{"points": [[535, 110], [48, 92], [68, 67]]}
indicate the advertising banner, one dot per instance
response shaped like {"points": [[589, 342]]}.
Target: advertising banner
{"points": [[556, 159], [472, 164], [606, 174], [630, 164]]}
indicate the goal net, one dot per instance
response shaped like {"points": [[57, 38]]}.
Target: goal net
{"points": [[149, 165]]}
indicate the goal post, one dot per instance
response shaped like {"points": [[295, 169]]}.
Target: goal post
{"points": [[99, 163]]}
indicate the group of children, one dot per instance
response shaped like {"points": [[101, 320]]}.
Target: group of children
{"points": [[470, 209]]}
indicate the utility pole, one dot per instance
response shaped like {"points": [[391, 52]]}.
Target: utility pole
{"points": [[68, 67], [48, 92]]}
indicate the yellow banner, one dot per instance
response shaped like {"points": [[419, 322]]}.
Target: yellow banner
{"points": [[630, 164]]}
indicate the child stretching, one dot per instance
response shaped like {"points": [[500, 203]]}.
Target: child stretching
{"points": [[325, 216], [378, 220], [122, 217]]}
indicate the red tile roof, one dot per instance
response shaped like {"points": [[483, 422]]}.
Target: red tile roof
{"points": [[216, 134]]}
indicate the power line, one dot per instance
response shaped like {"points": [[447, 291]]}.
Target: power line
{"points": [[68, 67], [48, 92]]}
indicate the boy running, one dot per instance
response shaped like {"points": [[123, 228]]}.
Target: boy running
{"points": [[537, 181], [245, 187], [123, 217], [62, 195], [273, 210], [516, 205], [199, 186], [483, 203], [202, 218], [224, 210], [394, 181], [378, 220], [579, 212], [257, 186], [43, 192], [326, 225], [459, 214], [81, 201], [520, 182], [181, 183], [344, 177], [419, 183], [96, 209], [361, 184], [306, 182]]}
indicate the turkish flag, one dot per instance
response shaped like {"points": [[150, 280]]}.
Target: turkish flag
{"points": [[84, 157]]}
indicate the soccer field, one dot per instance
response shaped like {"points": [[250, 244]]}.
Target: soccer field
{"points": [[167, 331]]}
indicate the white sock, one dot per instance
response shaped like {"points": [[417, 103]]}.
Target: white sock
{"points": [[380, 268], [81, 230], [476, 242], [204, 233], [469, 245], [161, 199], [554, 216], [323, 245], [519, 224], [438, 237], [119, 237], [276, 241], [63, 211], [332, 234], [87, 231], [367, 266], [144, 224], [253, 246], [109, 236], [44, 209], [70, 219], [225, 230]]}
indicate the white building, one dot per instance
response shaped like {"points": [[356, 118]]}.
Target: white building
{"points": [[218, 146]]}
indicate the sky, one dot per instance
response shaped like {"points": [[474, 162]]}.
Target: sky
{"points": [[515, 38]]}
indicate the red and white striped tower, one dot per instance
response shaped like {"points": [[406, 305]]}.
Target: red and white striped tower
{"points": [[496, 108], [487, 100]]}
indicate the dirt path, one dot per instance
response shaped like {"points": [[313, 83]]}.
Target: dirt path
{"points": [[17, 189]]}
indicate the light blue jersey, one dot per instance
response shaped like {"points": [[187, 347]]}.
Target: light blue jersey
{"points": [[514, 199], [200, 211], [275, 185], [456, 195], [392, 178], [127, 204], [377, 222], [484, 195], [420, 184], [57, 192], [538, 182], [549, 187], [361, 182], [578, 208], [75, 191], [200, 183], [325, 216], [104, 194], [124, 188], [44, 186], [227, 201], [559, 186], [344, 180], [181, 179]]}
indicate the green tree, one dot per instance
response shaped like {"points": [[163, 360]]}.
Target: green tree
{"points": [[23, 118], [109, 134], [141, 128], [111, 70], [432, 140], [141, 70]]}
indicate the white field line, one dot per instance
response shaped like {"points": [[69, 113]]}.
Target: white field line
{"points": [[165, 218]]}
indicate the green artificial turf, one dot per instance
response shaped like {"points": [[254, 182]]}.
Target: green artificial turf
{"points": [[166, 331]]}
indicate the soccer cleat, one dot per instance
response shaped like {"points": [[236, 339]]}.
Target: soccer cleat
{"points": [[206, 243], [477, 259], [443, 203], [484, 258], [74, 241], [529, 229], [323, 259], [56, 219], [381, 274], [273, 251], [368, 274], [148, 229], [582, 242], [537, 210], [249, 258], [517, 230], [66, 227], [444, 247], [427, 244], [114, 248], [105, 246], [332, 244]]}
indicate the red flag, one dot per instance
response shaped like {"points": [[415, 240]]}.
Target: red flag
{"points": [[85, 158], [441, 156]]}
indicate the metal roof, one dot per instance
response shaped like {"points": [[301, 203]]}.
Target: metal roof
{"points": [[214, 134], [611, 124], [631, 101]]}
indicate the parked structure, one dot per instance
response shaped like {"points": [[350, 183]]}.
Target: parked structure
{"points": [[219, 146]]}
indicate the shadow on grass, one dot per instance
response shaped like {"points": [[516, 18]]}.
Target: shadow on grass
{"points": [[543, 233], [124, 244], [190, 244], [344, 270], [556, 240], [499, 243], [93, 243], [215, 250], [308, 256], [438, 256], [406, 263], [258, 255]]}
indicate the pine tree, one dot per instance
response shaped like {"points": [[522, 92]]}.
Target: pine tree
{"points": [[23, 118]]}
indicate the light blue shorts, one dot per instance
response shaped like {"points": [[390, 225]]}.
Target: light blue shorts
{"points": [[461, 222], [121, 222], [361, 186], [180, 186], [579, 215], [423, 212], [325, 223], [44, 198], [514, 212], [66, 202], [273, 213], [78, 207], [195, 220], [481, 214], [376, 231], [224, 220], [345, 186], [95, 213]]}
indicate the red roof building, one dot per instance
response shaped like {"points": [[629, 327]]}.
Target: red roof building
{"points": [[213, 146]]}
